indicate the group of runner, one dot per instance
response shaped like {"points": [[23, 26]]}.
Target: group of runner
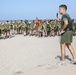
{"points": [[39, 28]]}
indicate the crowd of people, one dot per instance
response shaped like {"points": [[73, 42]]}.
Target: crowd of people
{"points": [[38, 28]]}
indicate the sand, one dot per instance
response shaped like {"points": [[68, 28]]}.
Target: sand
{"points": [[33, 56]]}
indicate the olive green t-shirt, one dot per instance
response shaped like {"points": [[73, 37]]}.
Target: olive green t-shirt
{"points": [[65, 17], [31, 25]]}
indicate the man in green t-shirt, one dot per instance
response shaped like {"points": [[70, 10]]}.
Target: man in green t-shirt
{"points": [[40, 30], [45, 28], [24, 27], [15, 27], [20, 25], [6, 29], [11, 28], [52, 26], [31, 28], [66, 34], [2, 30]]}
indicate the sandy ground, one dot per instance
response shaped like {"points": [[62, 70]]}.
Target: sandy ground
{"points": [[33, 56]]}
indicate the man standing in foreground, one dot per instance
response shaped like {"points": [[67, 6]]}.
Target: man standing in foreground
{"points": [[66, 34]]}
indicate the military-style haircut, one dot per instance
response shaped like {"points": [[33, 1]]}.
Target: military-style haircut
{"points": [[63, 6]]}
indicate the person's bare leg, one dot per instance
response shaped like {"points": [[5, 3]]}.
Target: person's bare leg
{"points": [[50, 33], [62, 62], [43, 33], [63, 52], [24, 33], [71, 50], [46, 33]]}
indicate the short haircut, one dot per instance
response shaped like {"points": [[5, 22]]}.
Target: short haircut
{"points": [[63, 6]]}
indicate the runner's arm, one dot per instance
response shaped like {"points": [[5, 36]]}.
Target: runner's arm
{"points": [[65, 25]]}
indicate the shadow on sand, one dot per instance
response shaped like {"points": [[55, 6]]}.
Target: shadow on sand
{"points": [[66, 57]]}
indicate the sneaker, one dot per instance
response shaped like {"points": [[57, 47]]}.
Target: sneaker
{"points": [[73, 61], [61, 63]]}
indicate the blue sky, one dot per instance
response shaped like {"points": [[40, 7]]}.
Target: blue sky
{"points": [[29, 9]]}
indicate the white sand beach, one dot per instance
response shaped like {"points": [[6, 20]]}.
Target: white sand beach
{"points": [[33, 56]]}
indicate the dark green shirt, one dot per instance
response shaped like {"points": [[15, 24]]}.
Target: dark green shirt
{"points": [[68, 18]]}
